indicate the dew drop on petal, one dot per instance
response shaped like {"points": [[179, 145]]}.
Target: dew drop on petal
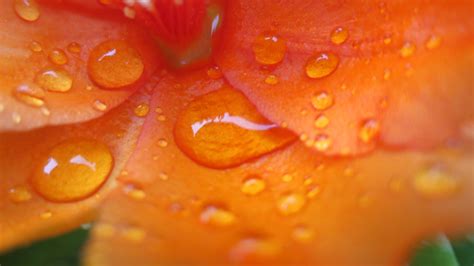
{"points": [[433, 42], [72, 170], [58, 57], [321, 65], [322, 142], [322, 101], [269, 49], [291, 203], [369, 129], [56, 80], [287, 178], [162, 143], [253, 185], [223, 129], [36, 47], [104, 230], [214, 72], [302, 234], [216, 216], [114, 64], [28, 10], [134, 234], [407, 50], [141, 110], [19, 194], [16, 118], [74, 47], [312, 191], [250, 248], [339, 35], [321, 121], [46, 215], [99, 105], [435, 182], [29, 94], [134, 192], [271, 80]]}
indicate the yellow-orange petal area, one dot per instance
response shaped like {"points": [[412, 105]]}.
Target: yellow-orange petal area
{"points": [[51, 49], [223, 129], [329, 212]]}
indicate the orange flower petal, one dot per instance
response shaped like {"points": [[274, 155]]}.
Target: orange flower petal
{"points": [[52, 179], [44, 63], [290, 206], [398, 71]]}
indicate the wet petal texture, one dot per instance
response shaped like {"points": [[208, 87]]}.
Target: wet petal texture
{"points": [[47, 77], [53, 178], [290, 206], [397, 71]]}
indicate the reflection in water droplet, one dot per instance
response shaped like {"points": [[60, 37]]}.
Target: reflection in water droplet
{"points": [[269, 49], [29, 94], [216, 216], [19, 194], [435, 182], [114, 64], [28, 10], [291, 203], [57, 80], [339, 35], [72, 170], [321, 65], [253, 185]]}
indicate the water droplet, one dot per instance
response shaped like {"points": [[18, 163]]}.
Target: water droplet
{"points": [[407, 50], [302, 234], [115, 64], [217, 216], [223, 129], [287, 178], [269, 49], [387, 41], [214, 72], [72, 170], [435, 182], [313, 191], [19, 194], [134, 234], [57, 80], [321, 122], [29, 94], [321, 65], [129, 12], [291, 203], [322, 142], [433, 42], [16, 117], [35, 47], [134, 192], [369, 130], [251, 248], [339, 35], [46, 215], [163, 176], [28, 10], [162, 143], [104, 230], [99, 105], [161, 118], [142, 110], [74, 47], [58, 57], [271, 80], [322, 101], [253, 185]]}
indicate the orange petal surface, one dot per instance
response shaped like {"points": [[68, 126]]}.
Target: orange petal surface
{"points": [[53, 178], [50, 72], [289, 206], [348, 73]]}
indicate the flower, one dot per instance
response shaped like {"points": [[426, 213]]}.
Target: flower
{"points": [[322, 132]]}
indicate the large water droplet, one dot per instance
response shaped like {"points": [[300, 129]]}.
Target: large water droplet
{"points": [[72, 170], [321, 65], [115, 64], [269, 49], [339, 35], [58, 57], [322, 101], [223, 129], [253, 185], [28, 10], [52, 79], [29, 94]]}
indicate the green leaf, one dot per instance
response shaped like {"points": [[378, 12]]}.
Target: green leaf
{"points": [[63, 250], [442, 251]]}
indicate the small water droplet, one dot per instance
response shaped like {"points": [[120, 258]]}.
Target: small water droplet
{"points": [[433, 42], [407, 50], [29, 94], [46, 215], [302, 234], [19, 194], [142, 110], [161, 118], [322, 101], [321, 122], [253, 247], [321, 65], [58, 57], [322, 142], [162, 143], [287, 178], [291, 203], [99, 105], [387, 73], [35, 47], [163, 176], [28, 10], [271, 80], [369, 130], [269, 49], [16, 118], [72, 170], [57, 80], [134, 192], [339, 35], [115, 64], [104, 230], [134, 234], [387, 40], [253, 185], [216, 216], [214, 72], [435, 182], [312, 191], [74, 48]]}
